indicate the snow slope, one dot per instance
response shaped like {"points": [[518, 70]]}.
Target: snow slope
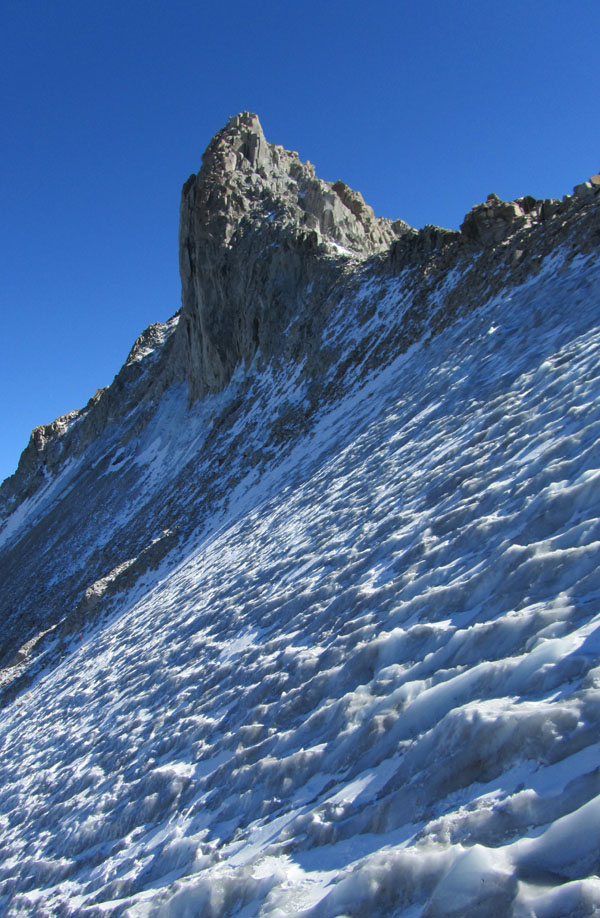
{"points": [[371, 684]]}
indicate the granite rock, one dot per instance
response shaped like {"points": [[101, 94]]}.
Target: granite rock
{"points": [[258, 229]]}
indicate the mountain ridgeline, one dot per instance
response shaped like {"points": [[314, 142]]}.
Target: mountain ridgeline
{"points": [[271, 258], [299, 616]]}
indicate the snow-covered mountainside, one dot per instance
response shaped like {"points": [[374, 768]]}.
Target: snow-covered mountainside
{"points": [[301, 615]]}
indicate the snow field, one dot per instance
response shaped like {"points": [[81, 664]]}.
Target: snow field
{"points": [[372, 686]]}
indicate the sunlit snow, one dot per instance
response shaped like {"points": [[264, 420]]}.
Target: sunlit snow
{"points": [[371, 685]]}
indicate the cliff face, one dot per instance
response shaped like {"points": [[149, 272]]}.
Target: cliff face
{"points": [[258, 229]]}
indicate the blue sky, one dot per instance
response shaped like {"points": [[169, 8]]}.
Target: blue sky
{"points": [[107, 107]]}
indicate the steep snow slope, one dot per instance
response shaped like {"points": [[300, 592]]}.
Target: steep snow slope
{"points": [[369, 684]]}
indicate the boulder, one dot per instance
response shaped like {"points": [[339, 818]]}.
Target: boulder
{"points": [[584, 191], [491, 222]]}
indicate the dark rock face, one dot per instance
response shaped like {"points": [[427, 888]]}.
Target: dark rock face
{"points": [[494, 221], [257, 229], [491, 222]]}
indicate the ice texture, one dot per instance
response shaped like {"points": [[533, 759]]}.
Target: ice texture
{"points": [[371, 684]]}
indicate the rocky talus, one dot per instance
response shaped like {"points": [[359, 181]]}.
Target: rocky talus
{"points": [[278, 270]]}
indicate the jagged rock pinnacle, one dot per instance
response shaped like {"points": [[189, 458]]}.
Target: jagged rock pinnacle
{"points": [[242, 174], [255, 221]]}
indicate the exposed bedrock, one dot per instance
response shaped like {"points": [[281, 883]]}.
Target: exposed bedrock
{"points": [[260, 237]]}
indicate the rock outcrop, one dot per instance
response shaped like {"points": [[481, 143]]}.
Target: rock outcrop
{"points": [[257, 230], [138, 384], [491, 222], [495, 220]]}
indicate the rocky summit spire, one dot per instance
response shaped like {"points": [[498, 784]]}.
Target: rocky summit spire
{"points": [[243, 175], [255, 222]]}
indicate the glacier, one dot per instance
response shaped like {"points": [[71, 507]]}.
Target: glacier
{"points": [[367, 679]]}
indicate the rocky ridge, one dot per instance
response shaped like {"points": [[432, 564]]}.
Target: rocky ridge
{"points": [[274, 266], [262, 241]]}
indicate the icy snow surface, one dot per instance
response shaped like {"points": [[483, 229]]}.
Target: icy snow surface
{"points": [[371, 686]]}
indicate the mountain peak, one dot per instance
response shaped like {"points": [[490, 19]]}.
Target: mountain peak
{"points": [[254, 210], [242, 139], [242, 174]]}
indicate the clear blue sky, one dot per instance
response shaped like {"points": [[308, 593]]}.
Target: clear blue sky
{"points": [[424, 107]]}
